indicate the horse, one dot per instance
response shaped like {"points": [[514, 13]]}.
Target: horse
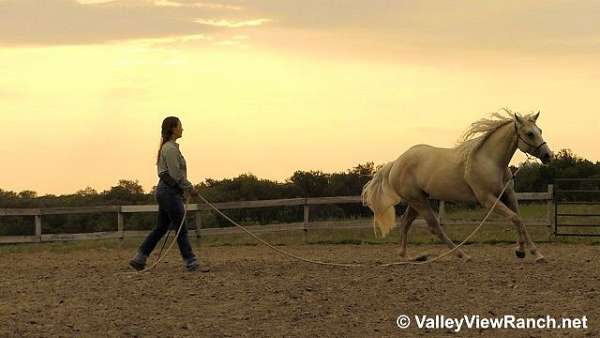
{"points": [[475, 170]]}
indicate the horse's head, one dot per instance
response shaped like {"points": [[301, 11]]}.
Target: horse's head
{"points": [[529, 137]]}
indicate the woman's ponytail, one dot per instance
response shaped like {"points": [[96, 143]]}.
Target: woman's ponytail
{"points": [[168, 124]]}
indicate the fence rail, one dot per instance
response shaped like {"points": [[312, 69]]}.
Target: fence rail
{"points": [[39, 236], [570, 196]]}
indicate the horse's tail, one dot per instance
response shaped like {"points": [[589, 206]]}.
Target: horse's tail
{"points": [[381, 198]]}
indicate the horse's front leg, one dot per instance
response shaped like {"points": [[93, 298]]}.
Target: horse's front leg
{"points": [[510, 200], [518, 223]]}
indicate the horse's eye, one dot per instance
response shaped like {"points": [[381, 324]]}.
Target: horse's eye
{"points": [[530, 134]]}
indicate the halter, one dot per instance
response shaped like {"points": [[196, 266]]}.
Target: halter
{"points": [[536, 149]]}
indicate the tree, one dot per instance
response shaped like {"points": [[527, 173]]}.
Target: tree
{"points": [[27, 194], [87, 191], [125, 191], [363, 170], [311, 183], [132, 187]]}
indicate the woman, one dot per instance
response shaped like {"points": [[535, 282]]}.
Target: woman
{"points": [[173, 183]]}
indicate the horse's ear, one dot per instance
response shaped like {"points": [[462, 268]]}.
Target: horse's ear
{"points": [[519, 119], [535, 117]]}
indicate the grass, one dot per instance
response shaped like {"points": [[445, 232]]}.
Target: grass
{"points": [[489, 234], [526, 210]]}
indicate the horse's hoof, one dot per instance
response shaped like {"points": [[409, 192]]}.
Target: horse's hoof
{"points": [[421, 258], [520, 254]]}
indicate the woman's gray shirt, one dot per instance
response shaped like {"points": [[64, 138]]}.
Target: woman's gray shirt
{"points": [[172, 160]]}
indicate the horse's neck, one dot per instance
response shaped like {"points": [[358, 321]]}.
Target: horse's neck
{"points": [[500, 145]]}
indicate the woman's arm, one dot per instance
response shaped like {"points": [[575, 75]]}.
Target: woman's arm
{"points": [[172, 159]]}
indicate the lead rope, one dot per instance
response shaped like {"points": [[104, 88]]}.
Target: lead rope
{"points": [[172, 242], [353, 265], [160, 256], [472, 232]]}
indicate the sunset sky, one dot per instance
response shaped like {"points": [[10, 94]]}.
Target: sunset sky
{"points": [[270, 87]]}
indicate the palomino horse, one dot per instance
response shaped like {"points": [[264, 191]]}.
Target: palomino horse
{"points": [[476, 170]]}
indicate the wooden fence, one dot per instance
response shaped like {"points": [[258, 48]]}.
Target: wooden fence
{"points": [[120, 211]]}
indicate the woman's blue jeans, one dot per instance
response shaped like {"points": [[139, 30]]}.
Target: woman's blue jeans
{"points": [[170, 214]]}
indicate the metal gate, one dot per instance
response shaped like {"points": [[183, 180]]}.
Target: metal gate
{"points": [[577, 207]]}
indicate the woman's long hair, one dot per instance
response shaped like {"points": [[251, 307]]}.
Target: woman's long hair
{"points": [[168, 124]]}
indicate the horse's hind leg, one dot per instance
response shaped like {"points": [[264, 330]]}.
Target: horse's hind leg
{"points": [[405, 222], [425, 210]]}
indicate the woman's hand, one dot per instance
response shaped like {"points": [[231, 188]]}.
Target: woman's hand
{"points": [[188, 194]]}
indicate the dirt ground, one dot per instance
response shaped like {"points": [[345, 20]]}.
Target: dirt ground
{"points": [[254, 292]]}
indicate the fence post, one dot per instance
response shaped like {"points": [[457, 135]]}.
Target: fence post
{"points": [[120, 224], [442, 212], [38, 227], [306, 218], [550, 210], [198, 223]]}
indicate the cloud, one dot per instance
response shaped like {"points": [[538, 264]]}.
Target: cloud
{"points": [[68, 22], [91, 2], [170, 41], [169, 3], [523, 25], [232, 24]]}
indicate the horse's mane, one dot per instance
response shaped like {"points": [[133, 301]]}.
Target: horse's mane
{"points": [[479, 131]]}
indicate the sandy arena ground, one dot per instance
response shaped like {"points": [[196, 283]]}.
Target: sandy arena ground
{"points": [[253, 292]]}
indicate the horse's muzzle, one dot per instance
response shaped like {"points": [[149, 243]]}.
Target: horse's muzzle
{"points": [[546, 158]]}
